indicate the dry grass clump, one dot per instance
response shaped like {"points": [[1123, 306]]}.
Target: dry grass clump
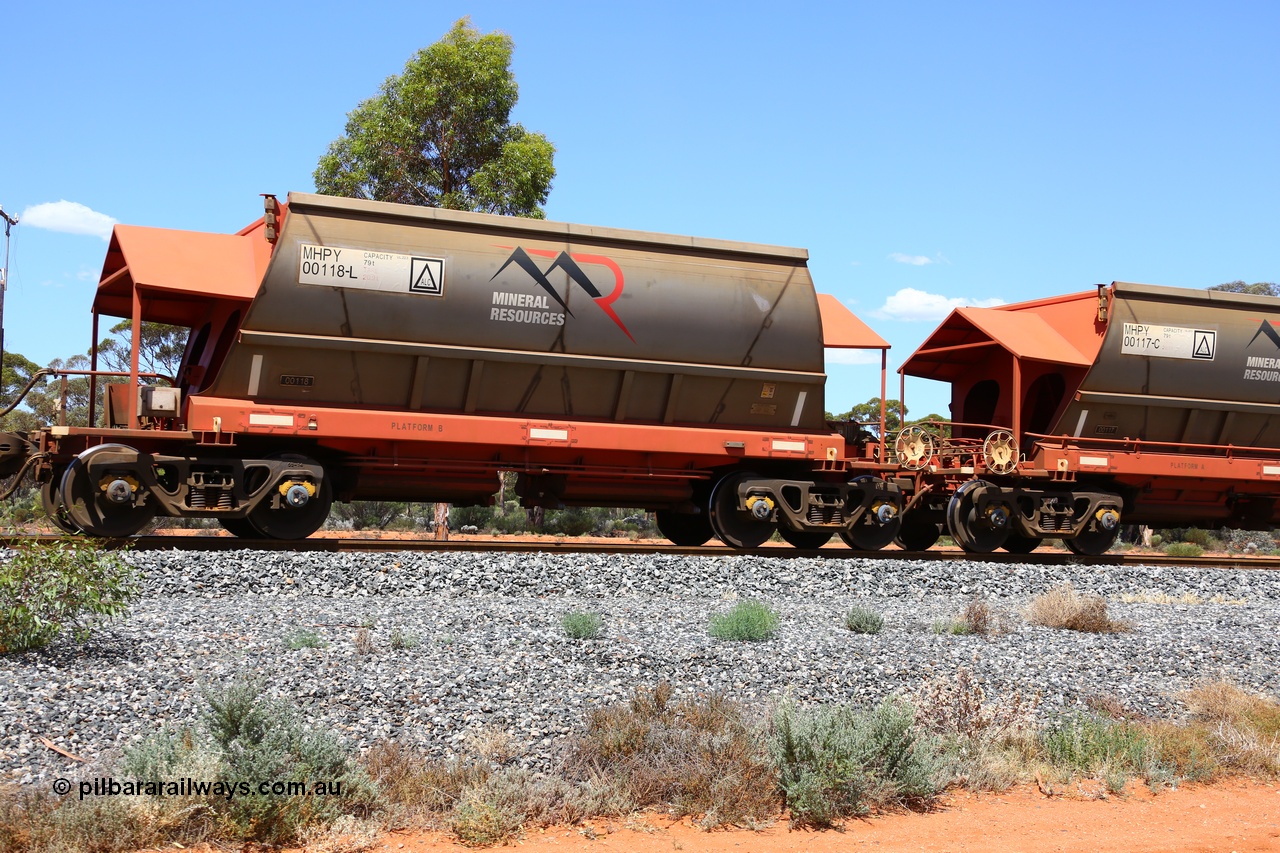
{"points": [[983, 742], [1063, 607], [1246, 726], [480, 803], [957, 706], [978, 618], [692, 757]]}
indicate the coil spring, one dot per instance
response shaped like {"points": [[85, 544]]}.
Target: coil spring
{"points": [[1055, 523], [824, 514], [219, 498]]}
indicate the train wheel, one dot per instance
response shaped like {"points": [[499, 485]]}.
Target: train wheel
{"points": [[51, 499], [734, 525], [1093, 540], [918, 533], [104, 504], [879, 525], [1016, 544], [299, 512], [868, 535], [974, 533], [241, 528], [684, 528], [805, 540]]}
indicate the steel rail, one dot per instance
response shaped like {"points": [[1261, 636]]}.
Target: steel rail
{"points": [[197, 542]]}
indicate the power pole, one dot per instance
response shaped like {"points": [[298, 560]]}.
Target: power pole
{"points": [[9, 222]]}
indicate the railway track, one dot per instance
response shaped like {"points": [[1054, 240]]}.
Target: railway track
{"points": [[568, 545]]}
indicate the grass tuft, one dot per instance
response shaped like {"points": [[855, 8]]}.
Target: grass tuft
{"points": [[748, 620], [305, 638], [581, 625], [860, 620], [1184, 549]]}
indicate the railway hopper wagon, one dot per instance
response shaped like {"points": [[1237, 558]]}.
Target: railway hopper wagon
{"points": [[346, 349], [1132, 403]]}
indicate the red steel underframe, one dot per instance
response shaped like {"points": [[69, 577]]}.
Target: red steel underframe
{"points": [[467, 446]]}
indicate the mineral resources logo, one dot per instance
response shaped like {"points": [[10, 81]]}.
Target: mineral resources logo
{"points": [[534, 308]]}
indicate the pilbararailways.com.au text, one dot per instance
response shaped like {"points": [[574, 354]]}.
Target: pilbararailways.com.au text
{"points": [[228, 790]]}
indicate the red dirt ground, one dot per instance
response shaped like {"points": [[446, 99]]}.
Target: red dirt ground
{"points": [[1240, 816]]}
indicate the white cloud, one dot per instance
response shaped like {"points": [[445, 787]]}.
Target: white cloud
{"points": [[852, 356], [914, 260], [68, 217], [911, 304]]}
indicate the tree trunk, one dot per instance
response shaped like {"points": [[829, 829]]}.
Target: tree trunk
{"points": [[442, 521]]}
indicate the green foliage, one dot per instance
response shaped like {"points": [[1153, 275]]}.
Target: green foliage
{"points": [[44, 403], [839, 761], [368, 515], [16, 373], [581, 625], [479, 516], [748, 620], [1183, 549], [1160, 753], [69, 584], [1258, 288], [245, 737], [860, 620], [160, 348], [868, 414], [305, 638], [440, 134], [574, 521]]}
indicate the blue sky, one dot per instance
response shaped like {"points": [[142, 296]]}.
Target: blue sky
{"points": [[926, 154]]}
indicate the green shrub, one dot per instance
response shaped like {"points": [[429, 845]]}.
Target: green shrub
{"points": [[477, 516], [244, 737], [1203, 538], [860, 620], [1156, 540], [70, 584], [581, 625], [748, 620], [838, 761], [574, 521], [1160, 753], [1183, 549], [514, 520], [1088, 746]]}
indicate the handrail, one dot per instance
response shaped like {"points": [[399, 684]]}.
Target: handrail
{"points": [[46, 372], [1139, 443]]}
